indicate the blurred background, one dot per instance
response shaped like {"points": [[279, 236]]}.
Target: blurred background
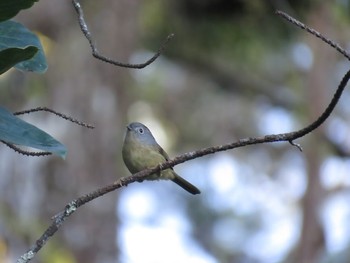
{"points": [[233, 70]]}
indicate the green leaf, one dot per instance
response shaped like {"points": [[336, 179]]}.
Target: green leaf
{"points": [[11, 56], [10, 8], [16, 131], [15, 35]]}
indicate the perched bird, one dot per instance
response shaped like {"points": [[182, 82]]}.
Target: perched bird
{"points": [[141, 151]]}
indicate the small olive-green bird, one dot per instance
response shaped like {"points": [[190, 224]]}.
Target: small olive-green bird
{"points": [[141, 151]]}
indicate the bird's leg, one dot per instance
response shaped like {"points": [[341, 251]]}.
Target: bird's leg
{"points": [[160, 171]]}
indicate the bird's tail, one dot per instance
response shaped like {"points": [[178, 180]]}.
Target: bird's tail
{"points": [[186, 185]]}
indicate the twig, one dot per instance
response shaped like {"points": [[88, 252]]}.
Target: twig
{"points": [[27, 153], [314, 32], [84, 28], [296, 145], [56, 113]]}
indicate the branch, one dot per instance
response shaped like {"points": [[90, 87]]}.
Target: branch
{"points": [[286, 137], [27, 153], [314, 32], [75, 204], [63, 116], [84, 28]]}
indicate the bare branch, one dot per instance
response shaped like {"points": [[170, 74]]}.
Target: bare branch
{"points": [[27, 153], [296, 145], [63, 116], [314, 32], [288, 137], [84, 28]]}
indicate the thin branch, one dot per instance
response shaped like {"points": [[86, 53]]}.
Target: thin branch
{"points": [[84, 28], [27, 153], [63, 116], [75, 204], [296, 145], [314, 32], [286, 137]]}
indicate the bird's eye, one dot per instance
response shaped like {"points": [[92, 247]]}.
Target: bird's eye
{"points": [[141, 131]]}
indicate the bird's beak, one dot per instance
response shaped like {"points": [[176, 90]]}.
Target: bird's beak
{"points": [[128, 127]]}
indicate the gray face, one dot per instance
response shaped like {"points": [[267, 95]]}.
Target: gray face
{"points": [[141, 133]]}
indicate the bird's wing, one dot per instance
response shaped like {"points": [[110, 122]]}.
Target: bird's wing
{"points": [[162, 152]]}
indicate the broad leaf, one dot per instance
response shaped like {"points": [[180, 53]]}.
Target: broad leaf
{"points": [[10, 8], [11, 56], [15, 35], [16, 131]]}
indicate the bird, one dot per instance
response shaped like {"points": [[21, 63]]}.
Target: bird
{"points": [[141, 151]]}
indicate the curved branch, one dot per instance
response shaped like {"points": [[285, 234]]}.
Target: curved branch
{"points": [[84, 28], [315, 33], [287, 137], [124, 181], [63, 116], [27, 153]]}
